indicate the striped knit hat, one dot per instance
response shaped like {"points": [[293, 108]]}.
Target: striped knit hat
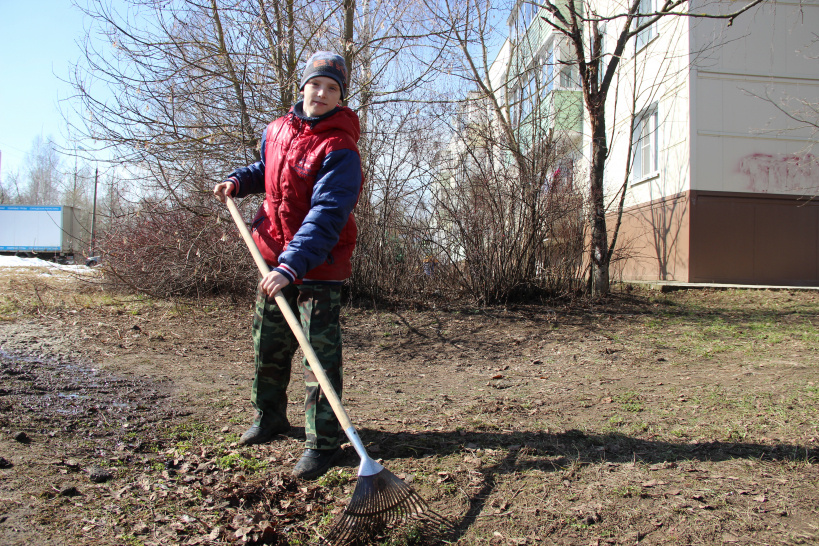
{"points": [[326, 63]]}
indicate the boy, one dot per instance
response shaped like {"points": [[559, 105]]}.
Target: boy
{"points": [[311, 174]]}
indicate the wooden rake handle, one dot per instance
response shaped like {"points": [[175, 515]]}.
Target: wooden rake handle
{"points": [[292, 321]]}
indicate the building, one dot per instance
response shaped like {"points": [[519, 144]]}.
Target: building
{"points": [[723, 183]]}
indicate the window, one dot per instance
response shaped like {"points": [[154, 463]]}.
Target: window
{"points": [[526, 97], [547, 74], [645, 142], [526, 14], [525, 103], [646, 7], [568, 78], [533, 94], [563, 176]]}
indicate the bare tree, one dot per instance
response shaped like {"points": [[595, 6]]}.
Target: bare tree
{"points": [[392, 219], [580, 23], [508, 230], [176, 94], [10, 188], [507, 205], [641, 82], [393, 60], [190, 85], [184, 93], [41, 172]]}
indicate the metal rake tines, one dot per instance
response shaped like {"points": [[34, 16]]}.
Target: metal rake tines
{"points": [[379, 501]]}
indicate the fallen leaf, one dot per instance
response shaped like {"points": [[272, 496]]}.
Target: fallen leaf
{"points": [[242, 531], [653, 483], [118, 494]]}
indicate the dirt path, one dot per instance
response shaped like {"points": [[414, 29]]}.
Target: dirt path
{"points": [[690, 418]]}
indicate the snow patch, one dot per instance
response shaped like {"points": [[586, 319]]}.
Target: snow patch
{"points": [[17, 262]]}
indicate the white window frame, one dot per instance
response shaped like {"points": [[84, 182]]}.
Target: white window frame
{"points": [[547, 71], [569, 76], [534, 95], [648, 34], [525, 16], [645, 144], [525, 103]]}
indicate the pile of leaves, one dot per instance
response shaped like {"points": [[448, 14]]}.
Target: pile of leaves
{"points": [[205, 500], [128, 461]]}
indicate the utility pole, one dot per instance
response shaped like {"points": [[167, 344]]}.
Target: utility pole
{"points": [[74, 191], [94, 214]]}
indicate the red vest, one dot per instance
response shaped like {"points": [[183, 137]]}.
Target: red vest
{"points": [[294, 153]]}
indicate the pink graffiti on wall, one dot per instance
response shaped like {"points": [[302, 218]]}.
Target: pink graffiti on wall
{"points": [[781, 172]]}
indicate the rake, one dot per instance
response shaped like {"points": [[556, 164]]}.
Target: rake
{"points": [[381, 498]]}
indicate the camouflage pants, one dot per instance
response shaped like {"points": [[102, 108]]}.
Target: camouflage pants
{"points": [[318, 307]]}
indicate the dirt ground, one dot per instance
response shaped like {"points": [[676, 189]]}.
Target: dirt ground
{"points": [[683, 418]]}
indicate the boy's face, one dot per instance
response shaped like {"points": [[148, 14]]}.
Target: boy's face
{"points": [[321, 94]]}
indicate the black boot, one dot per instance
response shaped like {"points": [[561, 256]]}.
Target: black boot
{"points": [[315, 462], [263, 430]]}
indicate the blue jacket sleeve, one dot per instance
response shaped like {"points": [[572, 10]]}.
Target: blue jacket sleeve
{"points": [[334, 196], [249, 179]]}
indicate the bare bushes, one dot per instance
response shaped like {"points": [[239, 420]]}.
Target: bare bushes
{"points": [[482, 220], [395, 261], [394, 252], [480, 215], [169, 251], [507, 216]]}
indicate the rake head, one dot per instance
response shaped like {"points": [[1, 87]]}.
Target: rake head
{"points": [[380, 501]]}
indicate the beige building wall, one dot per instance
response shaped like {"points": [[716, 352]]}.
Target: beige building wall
{"points": [[743, 142], [656, 75]]}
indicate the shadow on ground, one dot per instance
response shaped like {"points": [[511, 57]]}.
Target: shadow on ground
{"points": [[560, 451]]}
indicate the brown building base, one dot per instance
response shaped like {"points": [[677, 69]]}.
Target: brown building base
{"points": [[721, 237]]}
